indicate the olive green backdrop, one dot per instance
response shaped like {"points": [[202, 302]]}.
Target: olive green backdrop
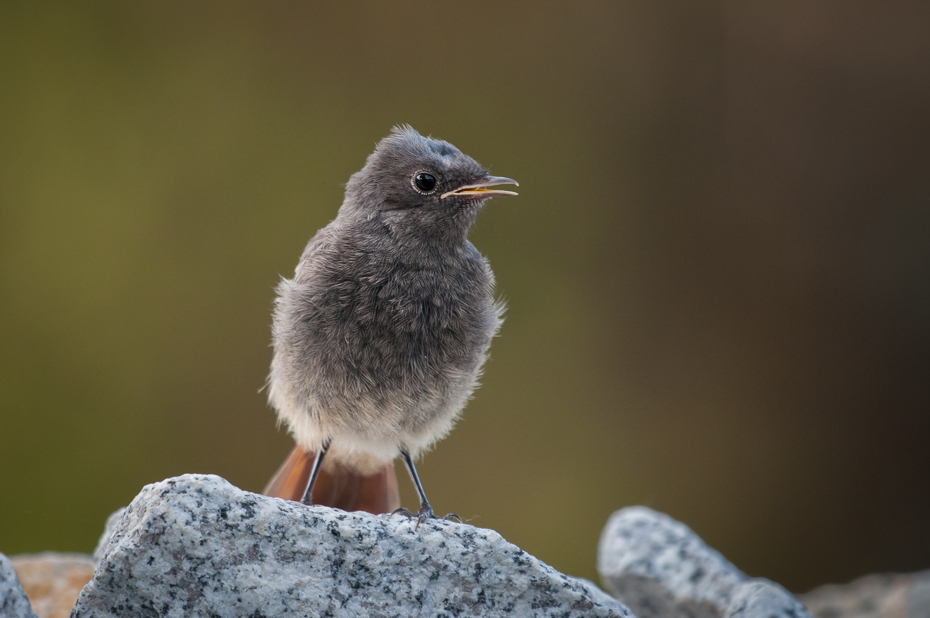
{"points": [[717, 271]]}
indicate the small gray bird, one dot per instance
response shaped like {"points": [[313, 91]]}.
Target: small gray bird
{"points": [[380, 337]]}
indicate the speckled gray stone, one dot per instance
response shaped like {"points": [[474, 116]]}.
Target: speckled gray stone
{"points": [[197, 546], [13, 601], [660, 568], [108, 530], [761, 598]]}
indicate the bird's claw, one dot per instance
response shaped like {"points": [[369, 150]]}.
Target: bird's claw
{"points": [[425, 514]]}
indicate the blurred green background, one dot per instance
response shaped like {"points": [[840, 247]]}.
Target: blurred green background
{"points": [[717, 271]]}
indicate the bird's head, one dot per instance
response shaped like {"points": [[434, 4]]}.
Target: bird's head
{"points": [[421, 184]]}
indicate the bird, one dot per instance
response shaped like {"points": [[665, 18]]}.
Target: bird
{"points": [[381, 335]]}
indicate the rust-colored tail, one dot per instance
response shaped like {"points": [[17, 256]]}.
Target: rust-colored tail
{"points": [[337, 487]]}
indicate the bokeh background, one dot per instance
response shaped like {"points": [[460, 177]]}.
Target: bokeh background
{"points": [[717, 271]]}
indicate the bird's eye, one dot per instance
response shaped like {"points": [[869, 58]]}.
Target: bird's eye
{"points": [[424, 182]]}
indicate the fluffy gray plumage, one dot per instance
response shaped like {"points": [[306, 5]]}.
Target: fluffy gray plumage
{"points": [[380, 337]]}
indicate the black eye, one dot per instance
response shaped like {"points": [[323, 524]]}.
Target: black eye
{"points": [[424, 182]]}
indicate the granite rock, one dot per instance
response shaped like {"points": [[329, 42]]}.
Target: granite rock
{"points": [[761, 598], [873, 596], [108, 530], [660, 568], [197, 546], [13, 601], [53, 581]]}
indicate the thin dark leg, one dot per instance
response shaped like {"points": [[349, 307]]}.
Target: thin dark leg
{"points": [[426, 511], [425, 508], [315, 472]]}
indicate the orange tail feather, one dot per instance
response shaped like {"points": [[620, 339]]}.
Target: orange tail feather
{"points": [[337, 487]]}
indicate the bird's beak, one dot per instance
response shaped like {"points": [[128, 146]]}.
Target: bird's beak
{"points": [[482, 189]]}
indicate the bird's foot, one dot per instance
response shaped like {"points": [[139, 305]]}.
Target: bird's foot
{"points": [[424, 514]]}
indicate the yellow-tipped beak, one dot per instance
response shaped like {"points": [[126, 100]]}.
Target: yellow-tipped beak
{"points": [[482, 189]]}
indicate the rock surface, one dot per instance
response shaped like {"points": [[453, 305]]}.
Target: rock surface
{"points": [[108, 530], [197, 546], [53, 581], [13, 601], [873, 596], [661, 569]]}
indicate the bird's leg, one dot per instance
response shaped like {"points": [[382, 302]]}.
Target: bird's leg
{"points": [[426, 511], [314, 472]]}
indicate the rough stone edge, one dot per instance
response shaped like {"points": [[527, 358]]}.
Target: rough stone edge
{"points": [[108, 529], [13, 603], [737, 595]]}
